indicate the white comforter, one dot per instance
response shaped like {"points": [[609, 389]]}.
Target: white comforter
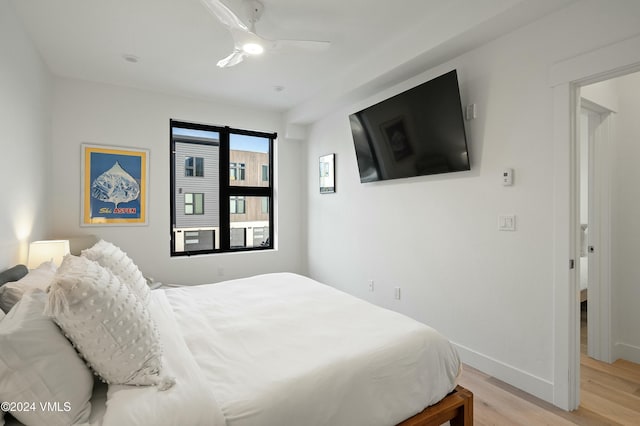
{"points": [[189, 402], [280, 350]]}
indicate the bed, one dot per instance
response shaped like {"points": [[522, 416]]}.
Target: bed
{"points": [[280, 349]]}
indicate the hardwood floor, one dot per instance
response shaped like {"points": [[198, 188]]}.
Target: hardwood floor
{"points": [[609, 394]]}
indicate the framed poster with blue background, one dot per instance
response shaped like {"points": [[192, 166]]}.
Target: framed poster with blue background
{"points": [[114, 185]]}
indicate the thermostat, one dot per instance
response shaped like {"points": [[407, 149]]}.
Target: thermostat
{"points": [[507, 177]]}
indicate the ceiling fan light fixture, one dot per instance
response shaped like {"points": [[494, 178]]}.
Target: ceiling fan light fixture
{"points": [[252, 48], [245, 40]]}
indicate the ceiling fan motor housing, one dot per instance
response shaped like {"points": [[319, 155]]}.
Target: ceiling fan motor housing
{"points": [[254, 8]]}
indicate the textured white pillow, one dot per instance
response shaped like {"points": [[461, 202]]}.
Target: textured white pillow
{"points": [[39, 278], [107, 323], [117, 261], [38, 365]]}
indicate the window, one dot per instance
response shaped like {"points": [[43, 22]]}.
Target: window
{"points": [[236, 171], [194, 166], [198, 240], [237, 205], [229, 207], [193, 203], [260, 236], [238, 237]]}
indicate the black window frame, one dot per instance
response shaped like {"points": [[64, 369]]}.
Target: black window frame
{"points": [[194, 168], [226, 190], [193, 203]]}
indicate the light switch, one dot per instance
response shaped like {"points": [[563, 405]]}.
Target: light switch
{"points": [[507, 223]]}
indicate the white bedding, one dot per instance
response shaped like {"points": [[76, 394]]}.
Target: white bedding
{"points": [[281, 349], [189, 402]]}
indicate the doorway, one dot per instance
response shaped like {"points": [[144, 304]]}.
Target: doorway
{"points": [[594, 128], [565, 78], [604, 219]]}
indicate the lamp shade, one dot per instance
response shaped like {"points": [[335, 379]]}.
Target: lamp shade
{"points": [[45, 251]]}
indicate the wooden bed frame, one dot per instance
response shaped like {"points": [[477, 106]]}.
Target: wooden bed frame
{"points": [[456, 408]]}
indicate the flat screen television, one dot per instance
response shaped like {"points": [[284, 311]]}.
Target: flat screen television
{"points": [[417, 132]]}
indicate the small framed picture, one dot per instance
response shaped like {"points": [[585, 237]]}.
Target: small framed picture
{"points": [[327, 173], [114, 185]]}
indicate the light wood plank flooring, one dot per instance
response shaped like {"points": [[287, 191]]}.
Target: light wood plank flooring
{"points": [[610, 395]]}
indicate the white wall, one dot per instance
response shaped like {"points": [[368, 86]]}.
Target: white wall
{"points": [[584, 167], [625, 214], [111, 115], [25, 92], [603, 93], [490, 292]]}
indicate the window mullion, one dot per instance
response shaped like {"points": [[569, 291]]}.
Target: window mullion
{"points": [[225, 216]]}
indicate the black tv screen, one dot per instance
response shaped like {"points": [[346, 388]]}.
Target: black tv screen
{"points": [[417, 132]]}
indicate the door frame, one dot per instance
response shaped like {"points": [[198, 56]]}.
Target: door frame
{"points": [[565, 78]]}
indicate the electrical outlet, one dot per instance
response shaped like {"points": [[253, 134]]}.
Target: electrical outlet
{"points": [[507, 223], [370, 285], [397, 293]]}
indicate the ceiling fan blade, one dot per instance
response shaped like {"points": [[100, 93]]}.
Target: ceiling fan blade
{"points": [[224, 15], [235, 58], [301, 44]]}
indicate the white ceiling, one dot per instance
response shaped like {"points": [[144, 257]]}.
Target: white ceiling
{"points": [[178, 43]]}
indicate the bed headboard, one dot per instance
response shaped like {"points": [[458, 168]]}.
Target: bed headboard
{"points": [[77, 244], [13, 274]]}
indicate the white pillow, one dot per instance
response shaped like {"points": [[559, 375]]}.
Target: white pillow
{"points": [[107, 323], [38, 365], [117, 261], [39, 279]]}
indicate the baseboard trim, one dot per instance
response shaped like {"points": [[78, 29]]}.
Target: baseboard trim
{"points": [[627, 352], [527, 382]]}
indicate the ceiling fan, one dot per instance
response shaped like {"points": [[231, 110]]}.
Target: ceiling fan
{"points": [[246, 41]]}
